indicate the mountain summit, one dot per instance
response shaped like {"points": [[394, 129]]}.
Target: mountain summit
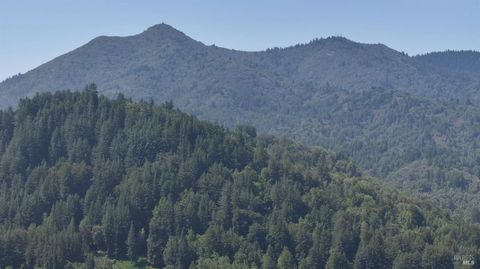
{"points": [[161, 28], [163, 31], [408, 119], [162, 61]]}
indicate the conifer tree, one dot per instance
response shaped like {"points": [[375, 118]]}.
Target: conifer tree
{"points": [[132, 243], [268, 260], [161, 227], [285, 260]]}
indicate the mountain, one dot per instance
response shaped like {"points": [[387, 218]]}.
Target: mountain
{"points": [[411, 120], [449, 61], [163, 63], [89, 182]]}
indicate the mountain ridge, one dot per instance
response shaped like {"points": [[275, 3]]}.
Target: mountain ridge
{"points": [[387, 110], [163, 28]]}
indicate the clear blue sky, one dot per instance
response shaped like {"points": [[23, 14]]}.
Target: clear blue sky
{"points": [[35, 31]]}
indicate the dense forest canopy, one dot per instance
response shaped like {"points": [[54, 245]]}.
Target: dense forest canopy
{"points": [[85, 180], [413, 121]]}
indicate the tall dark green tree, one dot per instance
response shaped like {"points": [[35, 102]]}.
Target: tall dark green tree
{"points": [[161, 226], [285, 260], [132, 243]]}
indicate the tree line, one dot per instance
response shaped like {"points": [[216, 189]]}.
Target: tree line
{"points": [[84, 177]]}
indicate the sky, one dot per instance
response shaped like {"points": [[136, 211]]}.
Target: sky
{"points": [[33, 32]]}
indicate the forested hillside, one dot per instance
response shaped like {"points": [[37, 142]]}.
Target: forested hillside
{"points": [[431, 148], [411, 120], [453, 61], [165, 64], [85, 180]]}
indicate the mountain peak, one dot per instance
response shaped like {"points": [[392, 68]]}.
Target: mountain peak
{"points": [[162, 32], [162, 29]]}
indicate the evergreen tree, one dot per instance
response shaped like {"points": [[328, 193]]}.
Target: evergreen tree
{"points": [[224, 213], [161, 226], [268, 261], [285, 260], [407, 261], [132, 244], [337, 260], [318, 253], [177, 253], [108, 223]]}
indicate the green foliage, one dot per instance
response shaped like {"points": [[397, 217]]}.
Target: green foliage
{"points": [[337, 260], [285, 260], [132, 244], [411, 120], [150, 181], [411, 217]]}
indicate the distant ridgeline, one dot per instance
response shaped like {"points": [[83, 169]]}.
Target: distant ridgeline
{"points": [[413, 121], [85, 180]]}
